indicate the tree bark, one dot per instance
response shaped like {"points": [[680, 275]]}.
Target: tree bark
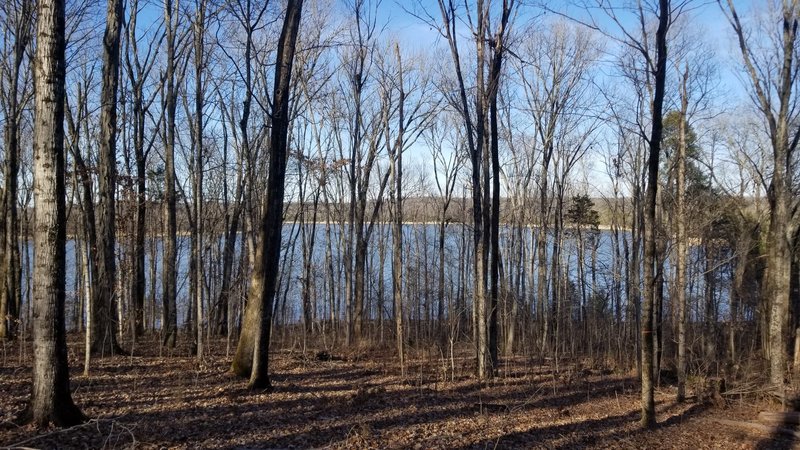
{"points": [[104, 337], [10, 280], [651, 257], [475, 132], [170, 251], [252, 358], [397, 229], [680, 241], [494, 225], [197, 241], [51, 400], [138, 71], [779, 114]]}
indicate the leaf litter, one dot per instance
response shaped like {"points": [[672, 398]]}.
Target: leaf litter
{"points": [[360, 401]]}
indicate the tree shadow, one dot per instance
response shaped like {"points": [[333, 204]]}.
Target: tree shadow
{"points": [[342, 404], [778, 439], [370, 419], [611, 431]]}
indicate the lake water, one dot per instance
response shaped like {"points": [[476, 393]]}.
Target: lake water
{"points": [[420, 256]]}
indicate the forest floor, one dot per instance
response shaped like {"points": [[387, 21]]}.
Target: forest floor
{"points": [[359, 400]]}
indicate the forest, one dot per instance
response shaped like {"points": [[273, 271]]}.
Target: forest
{"points": [[399, 224]]}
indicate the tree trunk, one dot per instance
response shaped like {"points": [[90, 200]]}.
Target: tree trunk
{"points": [[199, 101], [10, 281], [397, 251], [169, 282], [680, 241], [359, 266], [104, 337], [542, 305], [138, 280], [494, 228], [779, 115], [651, 257], [51, 400], [89, 231], [137, 76], [229, 248], [252, 358]]}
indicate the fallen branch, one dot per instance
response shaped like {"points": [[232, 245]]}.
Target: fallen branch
{"points": [[491, 407], [95, 422], [57, 431], [745, 389]]}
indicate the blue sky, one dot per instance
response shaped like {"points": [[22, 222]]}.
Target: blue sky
{"points": [[418, 37]]}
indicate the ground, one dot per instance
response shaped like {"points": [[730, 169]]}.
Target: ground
{"points": [[359, 400]]}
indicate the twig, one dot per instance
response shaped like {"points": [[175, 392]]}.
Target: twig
{"points": [[527, 400], [51, 433], [10, 422], [96, 422]]}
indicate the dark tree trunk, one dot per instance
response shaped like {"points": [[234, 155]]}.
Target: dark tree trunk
{"points": [[397, 230], [197, 238], [651, 276], [494, 225], [138, 71], [104, 336], [170, 251], [10, 280], [138, 279]]}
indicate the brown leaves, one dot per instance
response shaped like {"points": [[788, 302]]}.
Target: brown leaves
{"points": [[154, 402]]}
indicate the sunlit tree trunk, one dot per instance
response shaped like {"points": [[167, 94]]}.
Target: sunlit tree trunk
{"points": [[51, 400], [680, 241], [252, 358], [773, 88], [89, 246], [397, 232]]}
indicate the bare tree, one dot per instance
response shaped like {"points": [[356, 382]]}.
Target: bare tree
{"points": [[410, 86], [397, 229], [498, 48], [252, 358], [658, 66], [169, 282], [104, 338], [447, 162], [554, 73], [365, 139], [652, 49], [248, 14], [483, 148], [696, 74], [51, 400], [138, 67], [19, 24], [771, 75], [77, 123], [200, 67]]}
